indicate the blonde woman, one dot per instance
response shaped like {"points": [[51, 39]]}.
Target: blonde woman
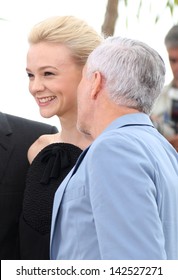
{"points": [[58, 50]]}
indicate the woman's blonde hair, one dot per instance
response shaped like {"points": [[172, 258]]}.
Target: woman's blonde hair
{"points": [[70, 31]]}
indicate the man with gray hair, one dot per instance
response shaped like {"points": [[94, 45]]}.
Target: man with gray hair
{"points": [[165, 112], [120, 200]]}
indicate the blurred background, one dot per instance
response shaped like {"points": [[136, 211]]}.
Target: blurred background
{"points": [[146, 20]]}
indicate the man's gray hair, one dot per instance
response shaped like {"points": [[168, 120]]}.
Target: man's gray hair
{"points": [[133, 72]]}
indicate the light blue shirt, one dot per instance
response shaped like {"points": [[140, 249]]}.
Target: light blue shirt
{"points": [[121, 199]]}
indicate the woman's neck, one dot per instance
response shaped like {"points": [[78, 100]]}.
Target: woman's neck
{"points": [[73, 136], [70, 134]]}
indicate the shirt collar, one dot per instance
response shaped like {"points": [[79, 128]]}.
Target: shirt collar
{"points": [[130, 120]]}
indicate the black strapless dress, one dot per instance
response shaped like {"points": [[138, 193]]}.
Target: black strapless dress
{"points": [[45, 174]]}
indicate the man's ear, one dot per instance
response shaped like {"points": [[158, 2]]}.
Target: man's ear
{"points": [[96, 84]]}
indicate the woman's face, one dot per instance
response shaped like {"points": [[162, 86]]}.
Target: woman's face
{"points": [[53, 78]]}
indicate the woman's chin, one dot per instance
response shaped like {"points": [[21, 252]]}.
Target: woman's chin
{"points": [[46, 115]]}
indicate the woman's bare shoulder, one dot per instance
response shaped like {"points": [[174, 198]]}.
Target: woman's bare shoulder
{"points": [[41, 143]]}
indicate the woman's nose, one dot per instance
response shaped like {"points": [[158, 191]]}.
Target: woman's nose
{"points": [[36, 86]]}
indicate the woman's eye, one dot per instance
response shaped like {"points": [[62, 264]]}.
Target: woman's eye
{"points": [[30, 75], [48, 74]]}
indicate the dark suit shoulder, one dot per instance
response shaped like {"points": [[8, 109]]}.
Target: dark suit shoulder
{"points": [[23, 124]]}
